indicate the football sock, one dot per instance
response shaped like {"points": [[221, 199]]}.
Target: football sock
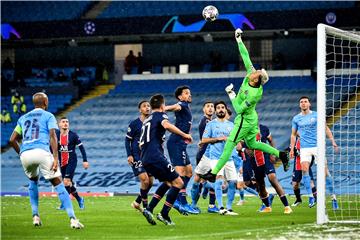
{"points": [[212, 197], [34, 197], [306, 181], [158, 195], [231, 194], [284, 200], [75, 193], [170, 199], [266, 201], [195, 193], [329, 184], [241, 192], [65, 199], [182, 193], [138, 199], [314, 192], [297, 194], [218, 191], [144, 196]]}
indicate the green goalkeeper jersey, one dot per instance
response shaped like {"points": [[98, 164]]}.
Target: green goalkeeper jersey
{"points": [[248, 96]]}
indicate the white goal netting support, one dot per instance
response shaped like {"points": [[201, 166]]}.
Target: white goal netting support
{"points": [[338, 106]]}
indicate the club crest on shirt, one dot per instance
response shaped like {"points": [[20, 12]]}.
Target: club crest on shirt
{"points": [[246, 92], [129, 129], [312, 120]]}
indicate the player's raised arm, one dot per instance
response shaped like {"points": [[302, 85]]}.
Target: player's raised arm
{"points": [[173, 108], [244, 52], [172, 128]]}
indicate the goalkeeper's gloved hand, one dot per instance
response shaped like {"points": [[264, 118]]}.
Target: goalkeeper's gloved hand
{"points": [[230, 91], [238, 33], [264, 77]]}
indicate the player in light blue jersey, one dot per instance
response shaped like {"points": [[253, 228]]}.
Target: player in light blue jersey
{"points": [[37, 130], [304, 124], [215, 134]]}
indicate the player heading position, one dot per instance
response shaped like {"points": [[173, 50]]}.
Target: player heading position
{"points": [[177, 145], [155, 162], [304, 124], [246, 121], [37, 129], [67, 142], [132, 141]]}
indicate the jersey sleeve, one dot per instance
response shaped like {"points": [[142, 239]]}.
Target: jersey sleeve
{"points": [[202, 126], [294, 124], [130, 131], [207, 131], [77, 140], [241, 107], [267, 132], [52, 124], [246, 58]]}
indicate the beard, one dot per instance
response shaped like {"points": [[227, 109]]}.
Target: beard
{"points": [[220, 115]]}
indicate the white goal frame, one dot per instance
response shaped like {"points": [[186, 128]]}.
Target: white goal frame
{"points": [[322, 31]]}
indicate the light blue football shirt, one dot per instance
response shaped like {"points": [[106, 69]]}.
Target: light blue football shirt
{"points": [[214, 129], [306, 126], [35, 127]]}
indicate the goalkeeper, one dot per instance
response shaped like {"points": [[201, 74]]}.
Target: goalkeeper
{"points": [[246, 121]]}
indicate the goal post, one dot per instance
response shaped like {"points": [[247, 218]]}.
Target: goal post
{"points": [[338, 97]]}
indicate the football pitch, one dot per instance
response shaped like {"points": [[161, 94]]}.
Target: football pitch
{"points": [[113, 218]]}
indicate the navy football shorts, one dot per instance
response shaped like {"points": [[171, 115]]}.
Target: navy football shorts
{"points": [[248, 173], [68, 170], [161, 170], [177, 153], [137, 167], [269, 167]]}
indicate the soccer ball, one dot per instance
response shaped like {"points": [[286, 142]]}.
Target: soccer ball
{"points": [[210, 13]]}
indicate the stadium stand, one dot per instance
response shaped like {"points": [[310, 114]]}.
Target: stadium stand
{"points": [[169, 8], [17, 11], [57, 102], [102, 122]]}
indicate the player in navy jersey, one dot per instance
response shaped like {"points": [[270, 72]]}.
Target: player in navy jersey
{"points": [[297, 175], [36, 129], [132, 140], [155, 162], [177, 145], [265, 136], [67, 142]]}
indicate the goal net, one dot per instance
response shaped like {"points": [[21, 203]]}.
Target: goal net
{"points": [[338, 105]]}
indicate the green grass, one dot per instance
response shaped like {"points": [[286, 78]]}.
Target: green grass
{"points": [[113, 218]]}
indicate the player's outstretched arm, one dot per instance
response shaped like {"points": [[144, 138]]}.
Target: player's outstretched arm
{"points": [[244, 52], [173, 108], [172, 128]]}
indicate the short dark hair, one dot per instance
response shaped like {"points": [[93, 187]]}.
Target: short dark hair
{"points": [[156, 101], [63, 117], [206, 102], [229, 111], [179, 90], [304, 97], [220, 102], [141, 102]]}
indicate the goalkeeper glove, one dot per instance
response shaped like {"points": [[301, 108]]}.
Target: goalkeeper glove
{"points": [[238, 33], [230, 91], [264, 77]]}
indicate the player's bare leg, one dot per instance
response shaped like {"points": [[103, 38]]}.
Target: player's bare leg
{"points": [[280, 191]]}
